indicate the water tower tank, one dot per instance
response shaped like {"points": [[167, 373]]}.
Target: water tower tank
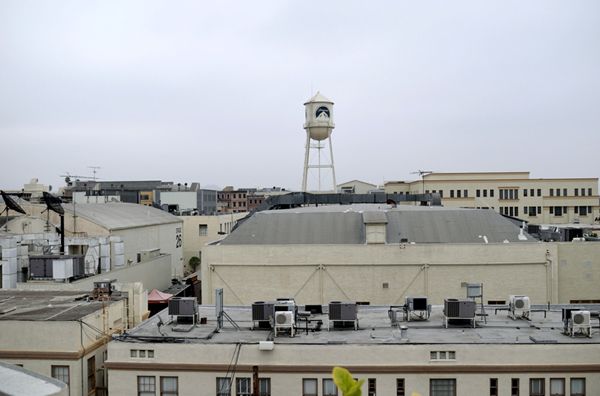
{"points": [[319, 117]]}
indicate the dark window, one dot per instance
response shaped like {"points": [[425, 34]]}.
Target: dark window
{"points": [[539, 210], [583, 192], [441, 193], [565, 192], [576, 192], [458, 193], [577, 386], [524, 192], [91, 374], [516, 211], [61, 373], [551, 192], [551, 209], [511, 211], [491, 193], [558, 192], [539, 192], [493, 386], [484, 193], [372, 387], [146, 385], [466, 193], [576, 209], [451, 193], [557, 387], [531, 192], [243, 387], [442, 387], [478, 193], [537, 387], [169, 386], [309, 387], [589, 191], [223, 386], [400, 389], [264, 387], [514, 387]]}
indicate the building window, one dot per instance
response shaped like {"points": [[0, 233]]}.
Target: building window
{"points": [[557, 387], [491, 193], [169, 386], [539, 192], [576, 192], [441, 193], [91, 374], [565, 192], [458, 193], [372, 387], [451, 193], [589, 191], [514, 387], [223, 386], [493, 386], [577, 386], [61, 373], [146, 385], [242, 386], [442, 355], [531, 192], [133, 353], [264, 387], [442, 387], [485, 193], [203, 229], [539, 210], [524, 192], [477, 193], [400, 388], [329, 388], [551, 192], [309, 387], [558, 192], [537, 387]]}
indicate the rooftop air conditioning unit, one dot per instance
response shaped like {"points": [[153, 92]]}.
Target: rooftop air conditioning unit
{"points": [[459, 309], [581, 323], [183, 306], [342, 311], [284, 320], [262, 311], [416, 303], [519, 306]]}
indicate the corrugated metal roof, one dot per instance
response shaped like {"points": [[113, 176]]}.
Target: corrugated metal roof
{"points": [[115, 216], [345, 224]]}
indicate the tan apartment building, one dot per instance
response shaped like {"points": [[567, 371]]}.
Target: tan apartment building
{"points": [[516, 194], [60, 334], [502, 357], [200, 230]]}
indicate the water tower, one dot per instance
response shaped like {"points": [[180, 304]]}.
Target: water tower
{"points": [[318, 125]]}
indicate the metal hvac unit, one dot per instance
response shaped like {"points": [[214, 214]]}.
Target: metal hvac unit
{"points": [[416, 308], [341, 313], [262, 312], [40, 267], [183, 306], [284, 320], [459, 309], [519, 306], [580, 323]]}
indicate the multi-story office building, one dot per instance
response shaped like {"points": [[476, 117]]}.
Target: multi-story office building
{"points": [[538, 201]]}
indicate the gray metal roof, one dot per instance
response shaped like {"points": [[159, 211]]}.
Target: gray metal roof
{"points": [[15, 380], [115, 216], [345, 224]]}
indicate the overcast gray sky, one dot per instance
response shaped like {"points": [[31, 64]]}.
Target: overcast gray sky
{"points": [[213, 91]]}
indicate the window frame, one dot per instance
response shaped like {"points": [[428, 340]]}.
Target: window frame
{"points": [[571, 386], [162, 387], [564, 386], [58, 376], [226, 392], [400, 387], [312, 380], [328, 381], [152, 383], [543, 389], [452, 380], [247, 381]]}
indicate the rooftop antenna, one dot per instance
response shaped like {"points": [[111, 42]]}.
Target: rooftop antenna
{"points": [[422, 173], [94, 170], [10, 204], [221, 312], [53, 203]]}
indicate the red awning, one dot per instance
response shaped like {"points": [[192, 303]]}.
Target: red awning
{"points": [[158, 297]]}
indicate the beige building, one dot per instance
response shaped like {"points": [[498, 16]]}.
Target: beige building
{"points": [[538, 201], [200, 230], [356, 187], [502, 357], [61, 335], [380, 254]]}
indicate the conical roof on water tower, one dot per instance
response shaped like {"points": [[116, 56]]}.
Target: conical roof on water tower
{"points": [[318, 98]]}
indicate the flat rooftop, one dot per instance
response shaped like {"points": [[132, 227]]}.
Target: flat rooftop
{"points": [[374, 328], [46, 305]]}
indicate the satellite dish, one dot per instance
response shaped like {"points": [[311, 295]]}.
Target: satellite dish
{"points": [[53, 203], [11, 203]]}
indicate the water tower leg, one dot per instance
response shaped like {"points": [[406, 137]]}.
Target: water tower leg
{"points": [[306, 153], [332, 164]]}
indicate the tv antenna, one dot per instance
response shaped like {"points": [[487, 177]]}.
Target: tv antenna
{"points": [[94, 170], [68, 176], [421, 174], [220, 312], [10, 204]]}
